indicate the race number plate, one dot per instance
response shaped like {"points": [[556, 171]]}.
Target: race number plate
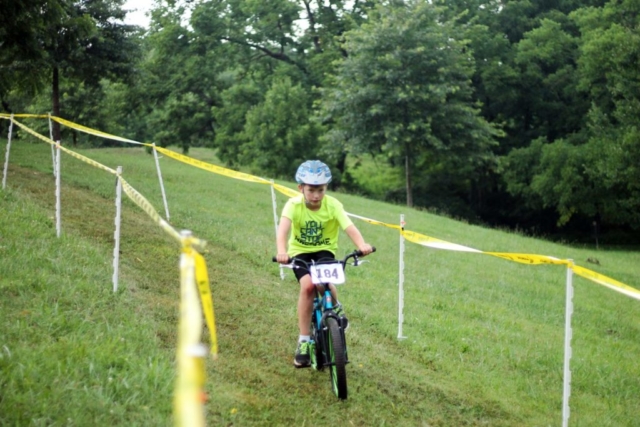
{"points": [[327, 273]]}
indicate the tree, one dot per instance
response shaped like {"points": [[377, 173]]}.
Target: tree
{"points": [[405, 90], [278, 131], [592, 173], [84, 41], [610, 53]]}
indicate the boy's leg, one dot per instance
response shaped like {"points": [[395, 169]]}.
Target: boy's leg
{"points": [[339, 309], [302, 357], [305, 304], [334, 293]]}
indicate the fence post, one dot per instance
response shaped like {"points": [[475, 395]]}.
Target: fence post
{"points": [[566, 392], [275, 220], [401, 281], [116, 235], [53, 150], [58, 191], [6, 156], [164, 196]]}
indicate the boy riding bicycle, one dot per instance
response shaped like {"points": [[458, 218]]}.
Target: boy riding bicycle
{"points": [[314, 220]]}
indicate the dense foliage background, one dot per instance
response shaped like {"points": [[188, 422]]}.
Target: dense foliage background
{"points": [[521, 114]]}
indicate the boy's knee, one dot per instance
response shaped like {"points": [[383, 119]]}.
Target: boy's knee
{"points": [[307, 287]]}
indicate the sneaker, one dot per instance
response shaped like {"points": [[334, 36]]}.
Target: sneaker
{"points": [[344, 322], [302, 358]]}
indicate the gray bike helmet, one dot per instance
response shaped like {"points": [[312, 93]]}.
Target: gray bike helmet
{"points": [[313, 172]]}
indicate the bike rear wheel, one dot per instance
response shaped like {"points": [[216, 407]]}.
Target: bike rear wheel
{"points": [[337, 358]]}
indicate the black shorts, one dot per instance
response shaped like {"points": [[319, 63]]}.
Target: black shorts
{"points": [[308, 257]]}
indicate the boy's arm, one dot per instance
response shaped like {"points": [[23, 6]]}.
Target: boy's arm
{"points": [[281, 239], [357, 239]]}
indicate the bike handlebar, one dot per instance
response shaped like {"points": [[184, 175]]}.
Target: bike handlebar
{"points": [[355, 254]]}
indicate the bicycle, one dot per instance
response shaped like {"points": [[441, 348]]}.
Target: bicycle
{"points": [[328, 346]]}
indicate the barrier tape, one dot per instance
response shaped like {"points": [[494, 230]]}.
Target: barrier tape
{"points": [[93, 131], [73, 125], [211, 167], [76, 155], [530, 259], [606, 281], [414, 237], [286, 190], [375, 222], [131, 192], [190, 379], [202, 279], [25, 116]]}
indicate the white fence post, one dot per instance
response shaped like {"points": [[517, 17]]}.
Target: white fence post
{"points": [[401, 282], [116, 249], [53, 150], [566, 392], [6, 156], [57, 169], [275, 220], [164, 196]]}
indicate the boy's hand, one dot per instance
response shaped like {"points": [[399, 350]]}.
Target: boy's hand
{"points": [[366, 249], [282, 258]]}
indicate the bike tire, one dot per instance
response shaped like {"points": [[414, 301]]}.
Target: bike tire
{"points": [[337, 358]]}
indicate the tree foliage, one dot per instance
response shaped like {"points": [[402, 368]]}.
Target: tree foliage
{"points": [[80, 42], [405, 90], [514, 112]]}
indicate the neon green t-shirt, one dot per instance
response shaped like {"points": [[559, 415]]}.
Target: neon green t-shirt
{"points": [[313, 231]]}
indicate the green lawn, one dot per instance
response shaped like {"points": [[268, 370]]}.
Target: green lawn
{"points": [[484, 342]]}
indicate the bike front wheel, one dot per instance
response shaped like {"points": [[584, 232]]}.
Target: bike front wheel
{"points": [[337, 358]]}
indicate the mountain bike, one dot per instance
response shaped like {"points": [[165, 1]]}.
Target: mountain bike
{"points": [[328, 346]]}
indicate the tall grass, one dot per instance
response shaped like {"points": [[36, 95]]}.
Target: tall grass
{"points": [[484, 339]]}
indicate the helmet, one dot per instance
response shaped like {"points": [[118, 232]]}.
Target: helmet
{"points": [[313, 172]]}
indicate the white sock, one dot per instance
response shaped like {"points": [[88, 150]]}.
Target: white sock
{"points": [[304, 338]]}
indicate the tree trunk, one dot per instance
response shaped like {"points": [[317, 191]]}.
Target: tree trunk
{"points": [[341, 166], [407, 171], [55, 99]]}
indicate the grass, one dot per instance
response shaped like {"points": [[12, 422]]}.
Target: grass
{"points": [[484, 340]]}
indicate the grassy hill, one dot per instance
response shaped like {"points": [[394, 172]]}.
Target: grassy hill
{"points": [[484, 342]]}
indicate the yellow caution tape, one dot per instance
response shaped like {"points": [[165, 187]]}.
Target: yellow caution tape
{"points": [[188, 395], [286, 190], [211, 167], [182, 158], [144, 204], [432, 242], [421, 239], [93, 131], [202, 279], [66, 150], [374, 222], [131, 192], [606, 281], [24, 116], [530, 259], [73, 125]]}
